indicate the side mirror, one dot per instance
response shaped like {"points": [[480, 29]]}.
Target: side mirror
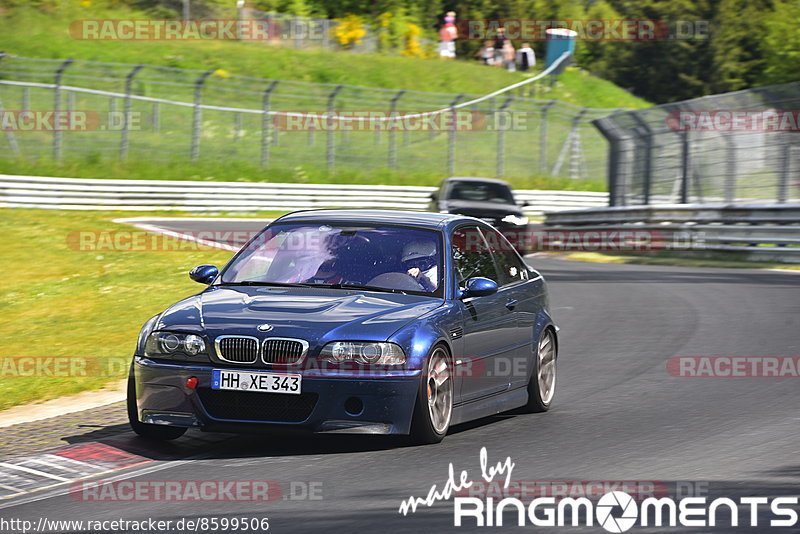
{"points": [[479, 287], [204, 274], [524, 204], [434, 197]]}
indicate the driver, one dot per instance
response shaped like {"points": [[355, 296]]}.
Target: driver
{"points": [[327, 273], [419, 260]]}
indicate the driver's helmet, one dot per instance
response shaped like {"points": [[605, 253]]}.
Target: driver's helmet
{"points": [[329, 265], [420, 254]]}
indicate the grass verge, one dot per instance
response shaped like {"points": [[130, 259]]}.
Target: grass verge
{"points": [[240, 171], [59, 302]]}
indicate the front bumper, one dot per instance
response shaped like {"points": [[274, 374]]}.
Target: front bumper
{"points": [[384, 405]]}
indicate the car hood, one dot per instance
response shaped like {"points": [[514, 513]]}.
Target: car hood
{"points": [[481, 209], [315, 315]]}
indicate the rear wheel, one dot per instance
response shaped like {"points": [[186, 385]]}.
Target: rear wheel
{"points": [[434, 407], [542, 386], [155, 432]]}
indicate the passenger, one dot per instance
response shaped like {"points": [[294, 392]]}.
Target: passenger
{"points": [[420, 261]]}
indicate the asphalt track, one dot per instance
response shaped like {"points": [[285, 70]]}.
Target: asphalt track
{"points": [[618, 415]]}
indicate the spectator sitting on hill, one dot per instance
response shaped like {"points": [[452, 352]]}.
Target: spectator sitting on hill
{"points": [[526, 58], [486, 53], [508, 57], [499, 42]]}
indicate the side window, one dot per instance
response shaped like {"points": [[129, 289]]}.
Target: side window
{"points": [[471, 255], [510, 268]]}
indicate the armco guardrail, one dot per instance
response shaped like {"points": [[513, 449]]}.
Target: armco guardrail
{"points": [[755, 242], [141, 195], [758, 232], [679, 213]]}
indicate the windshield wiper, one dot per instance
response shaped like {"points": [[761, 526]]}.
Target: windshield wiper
{"points": [[368, 288], [322, 286], [262, 283]]}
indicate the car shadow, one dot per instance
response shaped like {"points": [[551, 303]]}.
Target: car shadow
{"points": [[271, 443]]}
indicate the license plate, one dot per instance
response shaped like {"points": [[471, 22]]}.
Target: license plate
{"points": [[258, 382]]}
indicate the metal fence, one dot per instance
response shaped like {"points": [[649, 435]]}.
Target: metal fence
{"points": [[172, 115], [734, 148]]}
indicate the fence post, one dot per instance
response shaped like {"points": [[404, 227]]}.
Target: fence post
{"points": [[648, 156], [393, 129], [501, 133], [198, 114], [570, 147], [576, 152], [26, 98], [786, 173], [156, 117], [685, 148], [330, 138], [123, 144], [57, 108], [608, 129], [543, 136], [12, 141], [451, 138], [265, 120], [730, 168], [237, 126]]}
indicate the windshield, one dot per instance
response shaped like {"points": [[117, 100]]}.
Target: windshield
{"points": [[481, 192], [388, 258]]}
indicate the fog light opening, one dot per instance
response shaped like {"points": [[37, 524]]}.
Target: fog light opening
{"points": [[353, 406]]}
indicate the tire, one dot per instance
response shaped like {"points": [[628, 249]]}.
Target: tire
{"points": [[145, 430], [542, 385], [433, 410]]}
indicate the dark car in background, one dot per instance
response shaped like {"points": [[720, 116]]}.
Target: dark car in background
{"points": [[483, 198]]}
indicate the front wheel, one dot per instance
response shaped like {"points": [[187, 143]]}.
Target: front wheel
{"points": [[542, 386], [434, 407], [155, 432]]}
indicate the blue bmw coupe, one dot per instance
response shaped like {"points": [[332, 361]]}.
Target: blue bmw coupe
{"points": [[378, 322]]}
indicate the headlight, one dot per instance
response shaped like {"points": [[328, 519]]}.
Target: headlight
{"points": [[515, 219], [167, 343], [363, 352], [144, 333]]}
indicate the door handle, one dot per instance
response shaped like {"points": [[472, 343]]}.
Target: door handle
{"points": [[511, 304]]}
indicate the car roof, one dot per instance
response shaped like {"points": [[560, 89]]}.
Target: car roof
{"points": [[420, 219], [476, 179]]}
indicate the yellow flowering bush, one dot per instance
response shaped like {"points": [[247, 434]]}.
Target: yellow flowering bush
{"points": [[412, 46], [350, 31]]}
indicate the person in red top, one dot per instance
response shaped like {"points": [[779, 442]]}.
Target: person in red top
{"points": [[447, 37]]}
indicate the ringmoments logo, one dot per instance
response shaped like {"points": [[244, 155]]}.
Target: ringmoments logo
{"points": [[615, 511]]}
